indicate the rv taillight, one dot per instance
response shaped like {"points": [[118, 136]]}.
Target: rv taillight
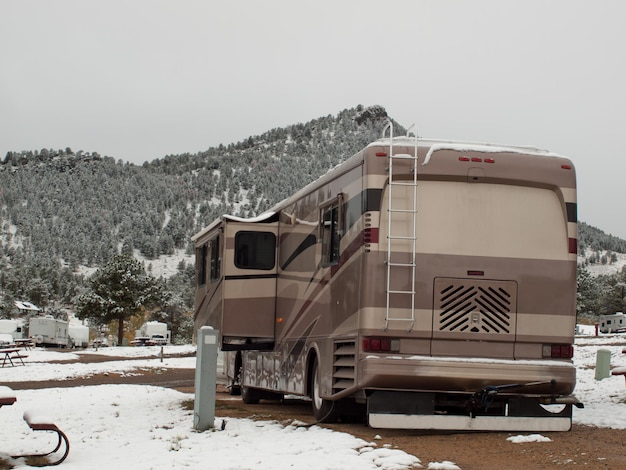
{"points": [[473, 272], [566, 167], [381, 154], [572, 245], [370, 344], [558, 351]]}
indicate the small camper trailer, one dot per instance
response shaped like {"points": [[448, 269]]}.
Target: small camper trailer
{"points": [[615, 323], [79, 335], [154, 332], [13, 327], [48, 331]]}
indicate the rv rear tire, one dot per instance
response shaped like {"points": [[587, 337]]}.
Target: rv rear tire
{"points": [[325, 411]]}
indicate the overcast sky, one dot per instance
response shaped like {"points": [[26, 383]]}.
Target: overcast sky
{"points": [[138, 80]]}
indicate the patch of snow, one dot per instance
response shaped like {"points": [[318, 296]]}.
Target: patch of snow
{"points": [[597, 269], [528, 438], [445, 465]]}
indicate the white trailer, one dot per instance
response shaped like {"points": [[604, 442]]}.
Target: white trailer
{"points": [[48, 331], [154, 331], [79, 335], [15, 328], [615, 323]]}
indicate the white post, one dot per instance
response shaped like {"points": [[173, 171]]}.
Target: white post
{"points": [[603, 364], [206, 377]]}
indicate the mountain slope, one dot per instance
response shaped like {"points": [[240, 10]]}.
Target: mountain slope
{"points": [[62, 211]]}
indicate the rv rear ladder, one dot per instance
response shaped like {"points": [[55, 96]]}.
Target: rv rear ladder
{"points": [[398, 270]]}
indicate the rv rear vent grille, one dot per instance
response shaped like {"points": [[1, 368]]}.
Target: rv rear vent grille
{"points": [[344, 366], [475, 306]]}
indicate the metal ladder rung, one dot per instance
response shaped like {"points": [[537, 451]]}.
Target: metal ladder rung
{"points": [[400, 265], [408, 211], [394, 183], [398, 237], [404, 156], [400, 319], [402, 292]]}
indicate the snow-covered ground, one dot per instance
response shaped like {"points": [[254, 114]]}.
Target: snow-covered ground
{"points": [[146, 427], [605, 269]]}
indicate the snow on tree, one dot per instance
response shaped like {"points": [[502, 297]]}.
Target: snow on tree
{"points": [[117, 292]]}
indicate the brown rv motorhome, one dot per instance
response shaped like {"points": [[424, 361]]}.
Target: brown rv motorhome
{"points": [[422, 284]]}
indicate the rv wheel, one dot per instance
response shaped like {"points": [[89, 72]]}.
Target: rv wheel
{"points": [[250, 396], [325, 411]]}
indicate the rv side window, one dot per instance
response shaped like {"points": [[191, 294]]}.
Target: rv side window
{"points": [[255, 250], [331, 233], [201, 260], [214, 273]]}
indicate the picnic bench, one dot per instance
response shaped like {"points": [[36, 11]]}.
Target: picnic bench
{"points": [[38, 423], [10, 354], [7, 396], [41, 423], [25, 343]]}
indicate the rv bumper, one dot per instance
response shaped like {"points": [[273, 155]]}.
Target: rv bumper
{"points": [[467, 423], [424, 373]]}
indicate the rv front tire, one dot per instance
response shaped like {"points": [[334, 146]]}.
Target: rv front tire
{"points": [[250, 396]]}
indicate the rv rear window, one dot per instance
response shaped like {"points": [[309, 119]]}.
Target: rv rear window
{"points": [[255, 250]]}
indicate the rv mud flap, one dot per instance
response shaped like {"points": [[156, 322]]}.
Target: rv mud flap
{"points": [[413, 410]]}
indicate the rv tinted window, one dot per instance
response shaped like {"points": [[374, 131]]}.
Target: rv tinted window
{"points": [[331, 234], [201, 259], [255, 250], [215, 259]]}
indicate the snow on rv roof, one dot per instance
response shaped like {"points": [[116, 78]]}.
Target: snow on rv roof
{"points": [[259, 218], [435, 145]]}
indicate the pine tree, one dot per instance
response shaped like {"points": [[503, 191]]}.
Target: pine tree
{"points": [[117, 292]]}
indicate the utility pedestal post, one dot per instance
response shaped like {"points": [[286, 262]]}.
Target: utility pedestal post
{"points": [[206, 373], [603, 364]]}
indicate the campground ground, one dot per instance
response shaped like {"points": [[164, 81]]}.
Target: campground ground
{"points": [[584, 447]]}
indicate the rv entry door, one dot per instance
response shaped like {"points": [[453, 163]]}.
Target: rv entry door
{"points": [[248, 315]]}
